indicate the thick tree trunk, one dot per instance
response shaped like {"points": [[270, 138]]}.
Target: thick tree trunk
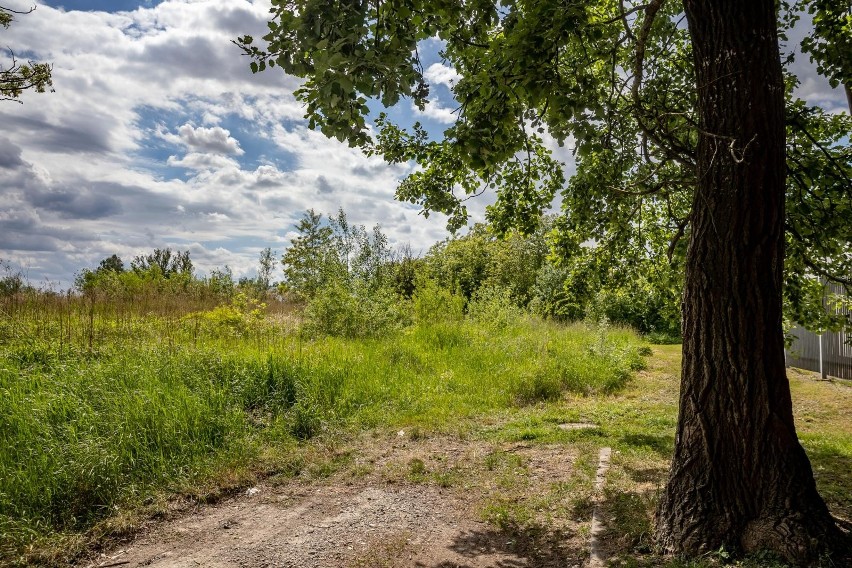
{"points": [[739, 477]]}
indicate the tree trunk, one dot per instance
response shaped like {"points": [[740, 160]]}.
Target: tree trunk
{"points": [[739, 478]]}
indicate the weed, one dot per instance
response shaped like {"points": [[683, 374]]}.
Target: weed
{"points": [[417, 471]]}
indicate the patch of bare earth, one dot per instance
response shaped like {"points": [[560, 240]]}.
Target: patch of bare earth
{"points": [[400, 503]]}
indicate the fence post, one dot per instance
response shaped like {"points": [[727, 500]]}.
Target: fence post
{"points": [[821, 367]]}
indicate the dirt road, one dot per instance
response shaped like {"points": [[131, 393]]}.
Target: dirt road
{"points": [[374, 521]]}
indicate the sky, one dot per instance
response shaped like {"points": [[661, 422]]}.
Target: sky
{"points": [[159, 135]]}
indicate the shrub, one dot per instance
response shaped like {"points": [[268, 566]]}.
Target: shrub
{"points": [[493, 306], [237, 318], [337, 311], [433, 302], [549, 299], [651, 311]]}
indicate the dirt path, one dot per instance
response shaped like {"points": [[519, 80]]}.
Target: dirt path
{"points": [[378, 520]]}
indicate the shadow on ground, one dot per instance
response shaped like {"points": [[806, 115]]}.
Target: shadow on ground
{"points": [[663, 446], [515, 547], [831, 470]]}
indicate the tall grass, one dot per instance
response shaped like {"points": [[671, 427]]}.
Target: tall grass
{"points": [[97, 413]]}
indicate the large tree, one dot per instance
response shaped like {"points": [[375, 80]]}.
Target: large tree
{"points": [[680, 142]]}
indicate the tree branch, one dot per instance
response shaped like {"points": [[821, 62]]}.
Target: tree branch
{"points": [[10, 10], [681, 230], [797, 124], [824, 273]]}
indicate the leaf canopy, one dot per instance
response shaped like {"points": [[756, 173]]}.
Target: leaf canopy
{"points": [[613, 78]]}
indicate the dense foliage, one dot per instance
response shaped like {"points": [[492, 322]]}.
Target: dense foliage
{"points": [[604, 74], [348, 277]]}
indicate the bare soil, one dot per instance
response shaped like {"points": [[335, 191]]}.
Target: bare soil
{"points": [[400, 502]]}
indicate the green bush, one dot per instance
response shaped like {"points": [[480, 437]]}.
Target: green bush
{"points": [[493, 306], [549, 298], [651, 311], [337, 311], [433, 302], [239, 317]]}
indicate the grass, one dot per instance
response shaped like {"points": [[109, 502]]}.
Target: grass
{"points": [[110, 417], [638, 423], [101, 414]]}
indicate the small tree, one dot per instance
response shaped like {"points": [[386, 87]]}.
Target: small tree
{"points": [[221, 281], [404, 267], [111, 264], [267, 265], [169, 263], [305, 262], [364, 254], [12, 281]]}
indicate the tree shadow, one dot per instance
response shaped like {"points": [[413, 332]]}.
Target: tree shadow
{"points": [[627, 518], [663, 446], [831, 471], [520, 546]]}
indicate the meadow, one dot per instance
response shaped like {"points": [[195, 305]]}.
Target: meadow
{"points": [[105, 406], [130, 401]]}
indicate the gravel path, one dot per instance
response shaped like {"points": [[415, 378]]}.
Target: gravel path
{"points": [[367, 523]]}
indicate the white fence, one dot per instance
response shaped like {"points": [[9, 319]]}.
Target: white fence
{"points": [[830, 354]]}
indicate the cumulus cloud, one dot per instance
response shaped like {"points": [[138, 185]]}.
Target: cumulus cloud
{"points": [[158, 134], [440, 74], [201, 161], [437, 112], [215, 139]]}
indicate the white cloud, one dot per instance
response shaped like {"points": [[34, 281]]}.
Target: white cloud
{"points": [[201, 161], [436, 111], [159, 135], [216, 139], [440, 74]]}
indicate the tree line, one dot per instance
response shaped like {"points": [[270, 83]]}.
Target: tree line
{"points": [[351, 275]]}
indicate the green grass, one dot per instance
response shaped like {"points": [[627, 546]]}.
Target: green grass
{"points": [[111, 414], [96, 424], [638, 422]]}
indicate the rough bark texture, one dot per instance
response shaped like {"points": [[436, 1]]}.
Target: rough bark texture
{"points": [[739, 477]]}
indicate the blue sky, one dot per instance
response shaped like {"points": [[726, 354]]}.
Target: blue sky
{"points": [[103, 5], [159, 135]]}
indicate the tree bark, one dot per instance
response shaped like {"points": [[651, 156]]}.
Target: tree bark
{"points": [[739, 479]]}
